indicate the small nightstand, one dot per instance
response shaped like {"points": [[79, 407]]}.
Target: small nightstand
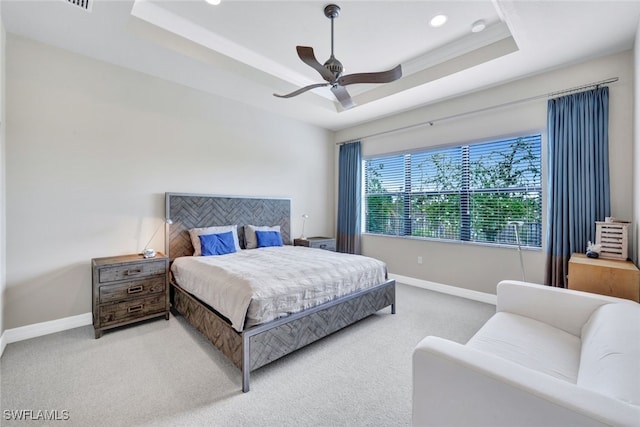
{"points": [[327, 243], [611, 277], [127, 289]]}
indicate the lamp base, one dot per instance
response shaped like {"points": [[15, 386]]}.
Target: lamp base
{"points": [[148, 253]]}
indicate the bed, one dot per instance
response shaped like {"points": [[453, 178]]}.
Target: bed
{"points": [[250, 343]]}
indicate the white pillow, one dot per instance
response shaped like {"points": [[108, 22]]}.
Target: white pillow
{"points": [[195, 234], [250, 239]]}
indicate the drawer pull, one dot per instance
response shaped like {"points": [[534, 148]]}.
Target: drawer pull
{"points": [[323, 246], [134, 308], [135, 289], [133, 272]]}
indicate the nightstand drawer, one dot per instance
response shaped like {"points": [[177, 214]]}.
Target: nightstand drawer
{"points": [[327, 243], [131, 310], [131, 271], [132, 289]]}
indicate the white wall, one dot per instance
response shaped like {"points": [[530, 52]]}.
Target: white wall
{"points": [[3, 276], [636, 150], [91, 150], [478, 267]]}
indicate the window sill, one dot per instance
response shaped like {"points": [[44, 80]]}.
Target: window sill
{"points": [[458, 242]]}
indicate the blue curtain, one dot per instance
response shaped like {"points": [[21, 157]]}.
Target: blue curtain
{"points": [[349, 196], [578, 176]]}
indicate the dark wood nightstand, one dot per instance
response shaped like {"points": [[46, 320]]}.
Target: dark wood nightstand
{"points": [[127, 289], [328, 243]]}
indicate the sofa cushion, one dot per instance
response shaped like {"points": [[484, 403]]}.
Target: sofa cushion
{"points": [[610, 356], [530, 343]]}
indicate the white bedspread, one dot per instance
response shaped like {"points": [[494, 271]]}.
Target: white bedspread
{"points": [[255, 286]]}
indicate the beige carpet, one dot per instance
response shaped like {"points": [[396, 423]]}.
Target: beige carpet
{"points": [[164, 373]]}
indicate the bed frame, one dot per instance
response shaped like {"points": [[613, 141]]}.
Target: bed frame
{"points": [[261, 344]]}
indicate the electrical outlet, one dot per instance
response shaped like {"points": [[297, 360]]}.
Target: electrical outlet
{"points": [[419, 260]]}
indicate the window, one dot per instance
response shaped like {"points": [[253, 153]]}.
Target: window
{"points": [[476, 192]]}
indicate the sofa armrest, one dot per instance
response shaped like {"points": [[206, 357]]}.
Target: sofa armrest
{"points": [[455, 385], [565, 309]]}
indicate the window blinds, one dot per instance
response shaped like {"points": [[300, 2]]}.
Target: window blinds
{"points": [[476, 192]]}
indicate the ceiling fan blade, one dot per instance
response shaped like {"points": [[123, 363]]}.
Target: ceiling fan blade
{"points": [[381, 77], [343, 96], [308, 57], [301, 90]]}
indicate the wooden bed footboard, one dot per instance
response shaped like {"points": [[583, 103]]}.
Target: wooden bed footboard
{"points": [[262, 344]]}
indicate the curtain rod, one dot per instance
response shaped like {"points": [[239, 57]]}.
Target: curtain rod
{"points": [[482, 110]]}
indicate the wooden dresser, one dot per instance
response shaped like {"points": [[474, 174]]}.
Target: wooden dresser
{"points": [[327, 243], [127, 289], [615, 278]]}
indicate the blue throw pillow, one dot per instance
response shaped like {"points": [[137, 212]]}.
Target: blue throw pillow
{"points": [[268, 238], [217, 244]]}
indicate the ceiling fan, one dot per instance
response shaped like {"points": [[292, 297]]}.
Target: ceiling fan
{"points": [[332, 70]]}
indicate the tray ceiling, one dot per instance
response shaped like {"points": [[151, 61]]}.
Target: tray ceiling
{"points": [[245, 50]]}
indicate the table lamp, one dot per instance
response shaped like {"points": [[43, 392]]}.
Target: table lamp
{"points": [[148, 252], [304, 219]]}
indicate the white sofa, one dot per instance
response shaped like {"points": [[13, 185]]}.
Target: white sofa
{"points": [[548, 357]]}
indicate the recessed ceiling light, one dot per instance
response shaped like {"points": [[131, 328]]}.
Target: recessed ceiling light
{"points": [[478, 26], [213, 2], [438, 20]]}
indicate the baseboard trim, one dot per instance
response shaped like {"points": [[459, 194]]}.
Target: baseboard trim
{"points": [[44, 328], [446, 289]]}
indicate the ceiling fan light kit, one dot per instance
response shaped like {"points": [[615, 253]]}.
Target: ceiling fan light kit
{"points": [[331, 71]]}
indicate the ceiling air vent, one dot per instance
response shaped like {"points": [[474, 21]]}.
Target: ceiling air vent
{"points": [[82, 4]]}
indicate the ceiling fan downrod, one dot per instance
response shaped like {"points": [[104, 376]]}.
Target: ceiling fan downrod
{"points": [[332, 11]]}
